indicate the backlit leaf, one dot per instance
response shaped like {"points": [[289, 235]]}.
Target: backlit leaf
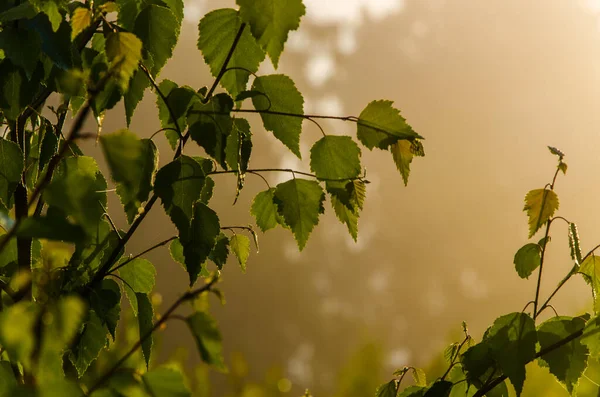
{"points": [[79, 190], [271, 21], [145, 317], [569, 361], [138, 276], [540, 205], [240, 245], [419, 377], [200, 240], [179, 185], [346, 215], [91, 342], [381, 125], [387, 389], [11, 168], [166, 382], [335, 157], [124, 51], [403, 152], [527, 259], [105, 300], [220, 251], [80, 20], [264, 210], [218, 30], [300, 202], [133, 163], [590, 270], [591, 336], [281, 96], [512, 343], [211, 126], [158, 29], [208, 339]]}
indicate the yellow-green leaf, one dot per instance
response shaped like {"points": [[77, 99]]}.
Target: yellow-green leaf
{"points": [[124, 51], [540, 205], [240, 245], [590, 270], [81, 19]]}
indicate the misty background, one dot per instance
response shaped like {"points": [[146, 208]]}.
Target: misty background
{"points": [[489, 85]]}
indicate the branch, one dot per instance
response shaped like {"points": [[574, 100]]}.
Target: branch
{"points": [[184, 298]]}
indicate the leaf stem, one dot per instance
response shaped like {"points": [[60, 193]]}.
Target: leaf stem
{"points": [[258, 170], [184, 298], [143, 253]]}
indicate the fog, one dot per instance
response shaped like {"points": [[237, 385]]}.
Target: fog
{"points": [[489, 85]]}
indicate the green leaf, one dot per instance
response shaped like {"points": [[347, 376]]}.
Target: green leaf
{"points": [[335, 157], [145, 316], [403, 152], [271, 21], [389, 389], [208, 339], [50, 228], [574, 244], [281, 96], [527, 259], [11, 166], [211, 127], [80, 20], [199, 242], [91, 342], [440, 388], [79, 189], [52, 9], [138, 276], [591, 336], [218, 30], [590, 270], [22, 47], [220, 251], [512, 343], [132, 163], [21, 11], [412, 391], [179, 185], [347, 216], [419, 377], [179, 100], [166, 382], [381, 125], [300, 202], [16, 91], [8, 378], [264, 210], [105, 301], [158, 28], [569, 361], [540, 205], [137, 87], [17, 335], [563, 167], [240, 245], [124, 51]]}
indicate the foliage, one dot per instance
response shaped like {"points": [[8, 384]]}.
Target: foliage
{"points": [[566, 346], [64, 265]]}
